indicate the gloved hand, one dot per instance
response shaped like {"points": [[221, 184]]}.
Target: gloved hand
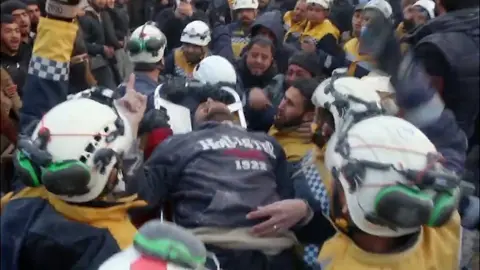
{"points": [[152, 120], [378, 40], [62, 9]]}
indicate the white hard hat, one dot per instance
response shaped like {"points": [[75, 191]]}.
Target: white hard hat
{"points": [[146, 44], [245, 4], [379, 139], [214, 69], [196, 33], [80, 128], [381, 5], [323, 3], [328, 94], [428, 5], [379, 82]]}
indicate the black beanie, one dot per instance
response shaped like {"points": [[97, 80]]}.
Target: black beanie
{"points": [[10, 6], [7, 18], [309, 61]]}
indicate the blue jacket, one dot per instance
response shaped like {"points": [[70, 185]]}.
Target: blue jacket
{"points": [[215, 175]]}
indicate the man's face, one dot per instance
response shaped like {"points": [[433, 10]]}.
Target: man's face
{"points": [[419, 16], [23, 20], [259, 59], [295, 72], [209, 109], [357, 23], [316, 13], [300, 12], [193, 53], [110, 3], [11, 36], [33, 13], [291, 111], [101, 3], [246, 16]]}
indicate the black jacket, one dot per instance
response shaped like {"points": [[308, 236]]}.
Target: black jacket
{"points": [[17, 65], [173, 27], [448, 46], [120, 20]]}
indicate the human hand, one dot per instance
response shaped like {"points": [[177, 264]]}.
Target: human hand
{"points": [[305, 131], [309, 45], [108, 51], [132, 105], [257, 99], [10, 90], [281, 216], [184, 9], [79, 58]]}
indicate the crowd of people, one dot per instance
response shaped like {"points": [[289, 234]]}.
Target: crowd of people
{"points": [[239, 135]]}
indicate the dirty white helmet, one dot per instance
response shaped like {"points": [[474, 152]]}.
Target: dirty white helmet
{"points": [[428, 5], [330, 95], [245, 4], [86, 131], [381, 84], [196, 33], [381, 5], [380, 139], [146, 44], [323, 3], [214, 69]]}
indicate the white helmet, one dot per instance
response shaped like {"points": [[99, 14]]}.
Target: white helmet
{"points": [[146, 44], [381, 84], [196, 33], [323, 3], [245, 4], [383, 140], [381, 5], [214, 69], [328, 95], [80, 129]]}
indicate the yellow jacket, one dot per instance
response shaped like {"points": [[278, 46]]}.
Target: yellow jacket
{"points": [[435, 249], [320, 30], [292, 27], [293, 144]]}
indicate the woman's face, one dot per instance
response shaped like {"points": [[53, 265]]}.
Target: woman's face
{"points": [[259, 59]]}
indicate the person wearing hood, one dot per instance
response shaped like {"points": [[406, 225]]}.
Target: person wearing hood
{"points": [[261, 104], [269, 24], [453, 70], [244, 13], [257, 66], [294, 21], [195, 40], [172, 21]]}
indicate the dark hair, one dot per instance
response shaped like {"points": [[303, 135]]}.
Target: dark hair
{"points": [[262, 42], [453, 5], [306, 88]]}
